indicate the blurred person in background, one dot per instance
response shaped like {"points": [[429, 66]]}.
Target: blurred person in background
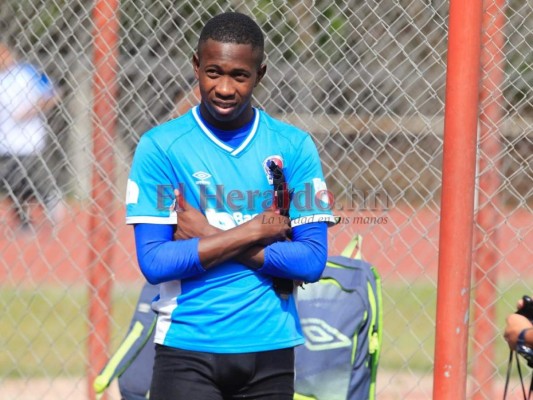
{"points": [[26, 94]]}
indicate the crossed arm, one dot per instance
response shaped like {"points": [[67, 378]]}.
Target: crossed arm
{"points": [[260, 244]]}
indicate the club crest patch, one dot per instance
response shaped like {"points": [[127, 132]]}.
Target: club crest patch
{"points": [[277, 160]]}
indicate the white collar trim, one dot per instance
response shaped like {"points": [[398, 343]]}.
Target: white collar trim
{"points": [[221, 144]]}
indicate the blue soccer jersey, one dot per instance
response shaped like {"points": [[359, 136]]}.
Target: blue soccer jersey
{"points": [[228, 308]]}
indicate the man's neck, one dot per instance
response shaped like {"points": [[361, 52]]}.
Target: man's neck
{"points": [[242, 120]]}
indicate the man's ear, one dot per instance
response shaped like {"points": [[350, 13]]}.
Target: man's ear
{"points": [[261, 71], [196, 65]]}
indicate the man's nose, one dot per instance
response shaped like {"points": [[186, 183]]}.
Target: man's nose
{"points": [[225, 87]]}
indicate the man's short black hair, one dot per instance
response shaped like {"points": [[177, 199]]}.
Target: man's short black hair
{"points": [[233, 27]]}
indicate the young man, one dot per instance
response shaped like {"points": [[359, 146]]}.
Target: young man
{"points": [[223, 331]]}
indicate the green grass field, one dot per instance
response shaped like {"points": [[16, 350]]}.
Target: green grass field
{"points": [[44, 331]]}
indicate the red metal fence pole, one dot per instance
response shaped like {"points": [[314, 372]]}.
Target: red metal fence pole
{"points": [[457, 201], [101, 224], [488, 217]]}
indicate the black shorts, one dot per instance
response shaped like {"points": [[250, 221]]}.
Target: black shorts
{"points": [[191, 375]]}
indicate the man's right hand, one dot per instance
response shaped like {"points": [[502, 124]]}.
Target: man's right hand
{"points": [[191, 223]]}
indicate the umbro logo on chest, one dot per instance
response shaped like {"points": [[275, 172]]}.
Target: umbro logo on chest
{"points": [[202, 177]]}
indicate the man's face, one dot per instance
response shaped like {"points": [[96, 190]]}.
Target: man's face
{"points": [[227, 74]]}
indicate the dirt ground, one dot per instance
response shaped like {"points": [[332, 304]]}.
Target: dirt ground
{"points": [[391, 386]]}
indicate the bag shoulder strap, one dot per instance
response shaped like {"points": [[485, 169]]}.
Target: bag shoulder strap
{"points": [[355, 244], [343, 267]]}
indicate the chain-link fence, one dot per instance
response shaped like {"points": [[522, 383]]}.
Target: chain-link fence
{"points": [[366, 79]]}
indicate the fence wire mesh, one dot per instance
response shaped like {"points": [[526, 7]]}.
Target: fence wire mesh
{"points": [[365, 79]]}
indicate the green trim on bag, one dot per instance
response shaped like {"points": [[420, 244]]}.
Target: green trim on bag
{"points": [[103, 380], [376, 338], [333, 265], [298, 396], [372, 345], [325, 281], [355, 242], [355, 338], [379, 298]]}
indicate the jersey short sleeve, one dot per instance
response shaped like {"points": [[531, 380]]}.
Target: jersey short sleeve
{"points": [[149, 192], [310, 199]]}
